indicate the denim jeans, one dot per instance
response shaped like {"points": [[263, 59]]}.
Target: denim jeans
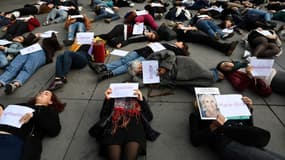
{"points": [[105, 14], [70, 60], [57, 15], [3, 59], [75, 27], [209, 27], [267, 16], [103, 3], [23, 67], [11, 147], [121, 65], [237, 151]]}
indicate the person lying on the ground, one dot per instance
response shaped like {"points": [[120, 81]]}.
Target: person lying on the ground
{"points": [[126, 126], [24, 66], [242, 80], [61, 11], [25, 143], [19, 27], [74, 25], [174, 71], [231, 139], [9, 51], [69, 61], [121, 65], [116, 37], [264, 43], [193, 35], [131, 17]]}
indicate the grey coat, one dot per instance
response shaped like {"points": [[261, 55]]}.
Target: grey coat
{"points": [[182, 70]]}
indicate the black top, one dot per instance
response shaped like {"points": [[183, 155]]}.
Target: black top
{"points": [[45, 121], [241, 131], [146, 51]]}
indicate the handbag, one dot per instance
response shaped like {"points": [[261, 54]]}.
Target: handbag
{"points": [[100, 128]]}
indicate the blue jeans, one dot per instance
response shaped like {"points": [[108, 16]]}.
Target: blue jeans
{"points": [[23, 67], [209, 27], [70, 60], [267, 16], [103, 3], [75, 27], [10, 147], [3, 60], [105, 14], [121, 65], [237, 151], [57, 15]]}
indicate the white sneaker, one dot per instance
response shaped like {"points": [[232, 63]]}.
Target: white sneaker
{"points": [[246, 54], [132, 5]]}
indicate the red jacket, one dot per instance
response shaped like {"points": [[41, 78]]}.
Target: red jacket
{"points": [[33, 23], [241, 81]]}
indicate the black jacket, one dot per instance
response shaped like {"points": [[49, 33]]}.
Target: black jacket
{"points": [[107, 110]]}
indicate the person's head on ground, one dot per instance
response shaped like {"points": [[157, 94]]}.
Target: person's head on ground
{"points": [[152, 36], [48, 99], [229, 66], [135, 68], [19, 39], [183, 46]]}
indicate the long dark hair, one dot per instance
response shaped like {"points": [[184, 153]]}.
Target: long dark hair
{"points": [[185, 49], [50, 46], [56, 103]]}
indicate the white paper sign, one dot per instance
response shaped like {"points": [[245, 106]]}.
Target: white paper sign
{"points": [[142, 12], [138, 29], [156, 46], [120, 90], [264, 32], [150, 72], [203, 16], [261, 67], [226, 30], [232, 106], [125, 32], [109, 10], [84, 37], [119, 52], [156, 5], [4, 42], [63, 8], [76, 16], [12, 115], [31, 49], [48, 34]]}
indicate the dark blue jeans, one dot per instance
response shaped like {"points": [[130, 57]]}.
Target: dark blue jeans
{"points": [[10, 147], [237, 151], [70, 60]]}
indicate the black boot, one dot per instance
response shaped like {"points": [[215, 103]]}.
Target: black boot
{"points": [[97, 68], [104, 75], [231, 48]]}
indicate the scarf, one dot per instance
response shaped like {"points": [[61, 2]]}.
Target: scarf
{"points": [[124, 110]]}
